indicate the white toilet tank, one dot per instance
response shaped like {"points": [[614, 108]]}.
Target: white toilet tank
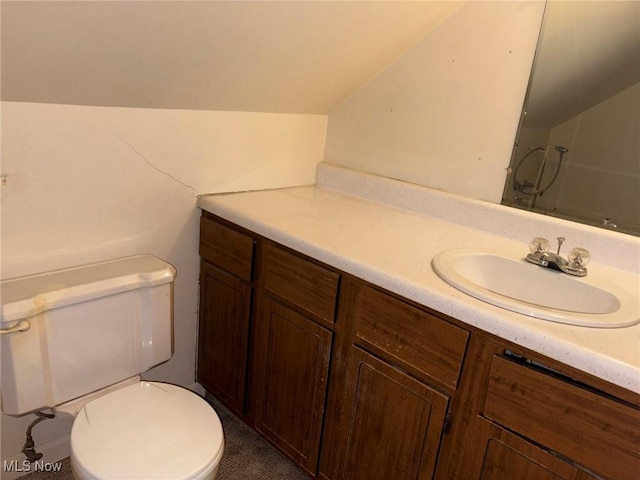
{"points": [[89, 327]]}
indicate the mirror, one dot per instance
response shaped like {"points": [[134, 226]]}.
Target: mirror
{"points": [[577, 152]]}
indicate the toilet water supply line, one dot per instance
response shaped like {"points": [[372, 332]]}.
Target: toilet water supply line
{"points": [[29, 446]]}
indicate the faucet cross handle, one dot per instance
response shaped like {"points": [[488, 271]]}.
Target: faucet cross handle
{"points": [[560, 242], [539, 245], [579, 257]]}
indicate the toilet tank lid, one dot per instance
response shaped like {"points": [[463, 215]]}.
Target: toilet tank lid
{"points": [[27, 296]]}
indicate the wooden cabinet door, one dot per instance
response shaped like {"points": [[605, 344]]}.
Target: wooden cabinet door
{"points": [[292, 357], [395, 422], [509, 457], [223, 335], [589, 427]]}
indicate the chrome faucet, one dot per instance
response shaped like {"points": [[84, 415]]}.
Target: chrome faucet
{"points": [[575, 264]]}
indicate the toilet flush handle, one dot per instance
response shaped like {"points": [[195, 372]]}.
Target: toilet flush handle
{"points": [[21, 326]]}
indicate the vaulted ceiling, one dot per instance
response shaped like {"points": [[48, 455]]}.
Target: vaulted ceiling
{"points": [[262, 56]]}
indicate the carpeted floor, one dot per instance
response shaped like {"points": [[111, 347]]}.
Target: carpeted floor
{"points": [[246, 456]]}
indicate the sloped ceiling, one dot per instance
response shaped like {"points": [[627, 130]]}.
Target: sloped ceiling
{"points": [[263, 56]]}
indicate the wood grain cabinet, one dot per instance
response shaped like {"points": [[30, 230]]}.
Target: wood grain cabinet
{"points": [[525, 416], [293, 344], [394, 422], [352, 382], [591, 430], [403, 366], [507, 456], [225, 311]]}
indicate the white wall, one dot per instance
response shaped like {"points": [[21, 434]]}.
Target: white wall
{"points": [[445, 115], [91, 183]]}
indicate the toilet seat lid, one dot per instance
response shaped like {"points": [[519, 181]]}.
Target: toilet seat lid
{"points": [[147, 430]]}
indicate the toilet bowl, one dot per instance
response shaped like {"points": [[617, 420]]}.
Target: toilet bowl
{"points": [[146, 430]]}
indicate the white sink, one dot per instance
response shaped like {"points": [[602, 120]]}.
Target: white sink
{"points": [[519, 286]]}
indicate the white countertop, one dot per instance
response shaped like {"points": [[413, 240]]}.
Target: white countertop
{"points": [[392, 247]]}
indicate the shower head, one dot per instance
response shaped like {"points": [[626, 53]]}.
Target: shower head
{"points": [[561, 149]]}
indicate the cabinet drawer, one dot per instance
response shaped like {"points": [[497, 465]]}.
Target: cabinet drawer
{"points": [[591, 429], [308, 286], [410, 337], [226, 248]]}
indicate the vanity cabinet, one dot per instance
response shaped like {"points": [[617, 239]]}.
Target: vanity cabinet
{"points": [[566, 416], [402, 367], [534, 418], [293, 343], [508, 457], [394, 422], [353, 382], [226, 287]]}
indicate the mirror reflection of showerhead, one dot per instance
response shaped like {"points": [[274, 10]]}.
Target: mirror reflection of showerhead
{"points": [[561, 149]]}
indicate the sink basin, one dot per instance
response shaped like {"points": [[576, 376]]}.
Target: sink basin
{"points": [[517, 285]]}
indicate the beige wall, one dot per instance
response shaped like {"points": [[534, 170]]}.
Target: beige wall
{"points": [[91, 183], [445, 115]]}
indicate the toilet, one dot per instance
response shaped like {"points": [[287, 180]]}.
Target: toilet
{"points": [[77, 340]]}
